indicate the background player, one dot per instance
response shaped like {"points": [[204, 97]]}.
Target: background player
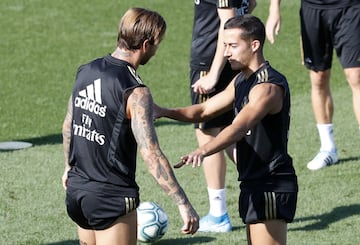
{"points": [[210, 74]]}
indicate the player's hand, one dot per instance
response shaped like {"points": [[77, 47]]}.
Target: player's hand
{"points": [[204, 85], [194, 158], [190, 218], [273, 24]]}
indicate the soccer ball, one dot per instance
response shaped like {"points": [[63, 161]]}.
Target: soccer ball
{"points": [[152, 222]]}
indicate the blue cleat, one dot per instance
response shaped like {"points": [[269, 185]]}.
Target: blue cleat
{"points": [[211, 223]]}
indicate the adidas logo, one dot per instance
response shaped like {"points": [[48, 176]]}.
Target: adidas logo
{"points": [[90, 99]]}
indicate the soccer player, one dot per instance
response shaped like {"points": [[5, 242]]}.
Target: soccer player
{"points": [[210, 74], [325, 26], [260, 98], [328, 25], [109, 115]]}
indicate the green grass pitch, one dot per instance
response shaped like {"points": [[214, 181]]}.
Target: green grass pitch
{"points": [[41, 45]]}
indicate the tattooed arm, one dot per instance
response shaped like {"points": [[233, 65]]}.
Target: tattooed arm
{"points": [[66, 133], [140, 110]]}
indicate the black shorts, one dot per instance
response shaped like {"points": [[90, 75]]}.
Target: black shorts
{"points": [[97, 210], [255, 207], [323, 30], [225, 78]]}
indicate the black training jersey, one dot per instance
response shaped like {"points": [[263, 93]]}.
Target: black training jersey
{"points": [[103, 147], [330, 4], [263, 162], [205, 29]]}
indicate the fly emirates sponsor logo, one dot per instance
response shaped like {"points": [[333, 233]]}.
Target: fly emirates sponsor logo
{"points": [[91, 135], [90, 99]]}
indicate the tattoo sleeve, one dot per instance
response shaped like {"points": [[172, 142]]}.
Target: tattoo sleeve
{"points": [[140, 104]]}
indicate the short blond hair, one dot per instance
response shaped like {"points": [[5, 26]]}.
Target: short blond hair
{"points": [[138, 25]]}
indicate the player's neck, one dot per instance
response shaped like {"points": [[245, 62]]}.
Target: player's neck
{"points": [[254, 66], [126, 55]]}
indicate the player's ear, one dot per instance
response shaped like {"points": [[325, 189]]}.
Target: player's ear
{"points": [[146, 45], [255, 45]]}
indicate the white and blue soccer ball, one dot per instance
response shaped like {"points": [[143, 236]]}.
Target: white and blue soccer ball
{"points": [[152, 222]]}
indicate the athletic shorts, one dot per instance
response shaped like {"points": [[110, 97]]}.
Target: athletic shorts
{"points": [[97, 210], [323, 30], [225, 78], [255, 207]]}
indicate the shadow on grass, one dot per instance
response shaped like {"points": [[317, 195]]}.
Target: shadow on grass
{"points": [[68, 242], [177, 241], [238, 228], [186, 240], [51, 139], [348, 159], [322, 221]]}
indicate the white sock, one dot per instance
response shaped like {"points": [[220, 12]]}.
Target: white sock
{"points": [[326, 133], [217, 199]]}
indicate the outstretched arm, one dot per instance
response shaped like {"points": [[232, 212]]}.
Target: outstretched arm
{"points": [[264, 99], [211, 108], [140, 110]]}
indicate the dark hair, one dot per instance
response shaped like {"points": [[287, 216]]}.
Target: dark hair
{"points": [[251, 26], [138, 25]]}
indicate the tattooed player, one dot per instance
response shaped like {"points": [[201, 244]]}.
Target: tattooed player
{"points": [[109, 116]]}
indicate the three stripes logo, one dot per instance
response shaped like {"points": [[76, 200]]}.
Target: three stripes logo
{"points": [[130, 204], [136, 76], [90, 99], [270, 205], [263, 76]]}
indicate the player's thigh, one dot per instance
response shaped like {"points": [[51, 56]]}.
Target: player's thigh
{"points": [[86, 236], [231, 152], [268, 232], [353, 77], [205, 135], [122, 232]]}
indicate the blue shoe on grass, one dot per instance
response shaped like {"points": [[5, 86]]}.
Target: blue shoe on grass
{"points": [[211, 223]]}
